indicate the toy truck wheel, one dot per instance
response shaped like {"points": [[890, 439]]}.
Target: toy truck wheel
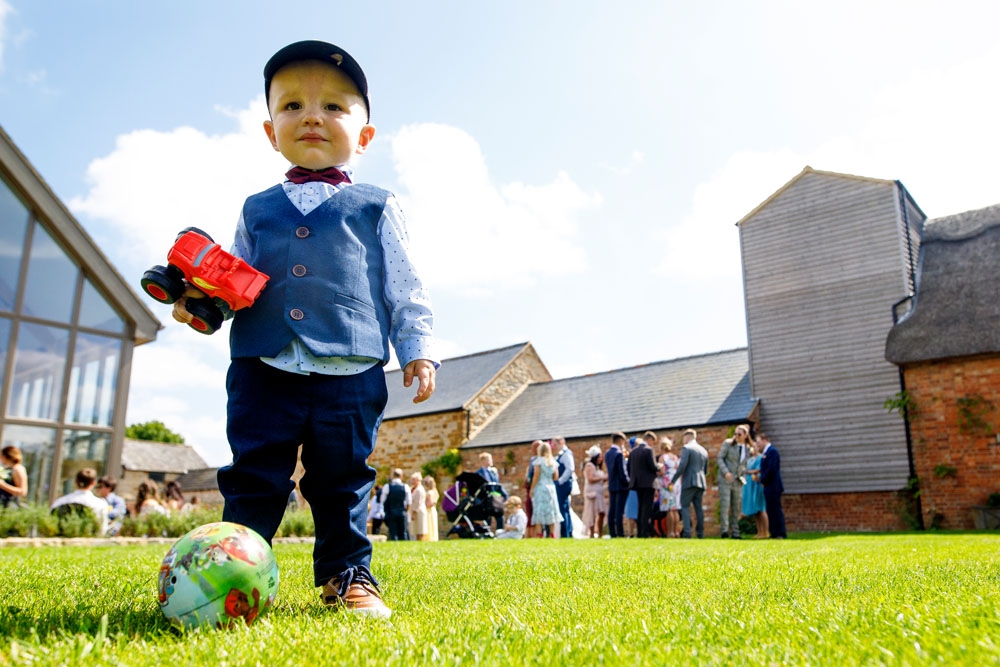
{"points": [[165, 284], [207, 316], [194, 229]]}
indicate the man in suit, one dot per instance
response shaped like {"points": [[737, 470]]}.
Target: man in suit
{"points": [[770, 478], [614, 459], [641, 475], [732, 464], [564, 485], [692, 471], [489, 473], [396, 500]]}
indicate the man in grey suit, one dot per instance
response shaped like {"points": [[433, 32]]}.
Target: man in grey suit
{"points": [[732, 464], [692, 471]]}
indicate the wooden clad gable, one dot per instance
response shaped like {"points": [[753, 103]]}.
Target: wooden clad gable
{"points": [[824, 260]]}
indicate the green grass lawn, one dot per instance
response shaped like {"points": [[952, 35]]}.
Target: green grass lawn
{"points": [[897, 599]]}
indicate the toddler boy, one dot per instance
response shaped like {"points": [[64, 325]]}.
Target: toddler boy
{"points": [[307, 357]]}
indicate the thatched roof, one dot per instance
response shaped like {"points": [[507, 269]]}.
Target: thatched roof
{"points": [[956, 308]]}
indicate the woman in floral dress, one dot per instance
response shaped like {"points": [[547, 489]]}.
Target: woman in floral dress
{"points": [[670, 501], [544, 503]]}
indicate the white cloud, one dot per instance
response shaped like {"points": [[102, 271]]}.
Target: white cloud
{"points": [[5, 9], [934, 130], [156, 183], [706, 241], [472, 235]]}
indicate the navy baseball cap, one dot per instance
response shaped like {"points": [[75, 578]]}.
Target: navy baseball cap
{"points": [[324, 52]]}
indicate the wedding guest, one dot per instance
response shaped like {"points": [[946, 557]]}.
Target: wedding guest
{"points": [[670, 501], [13, 477], [86, 480], [692, 471], [376, 510], [174, 497], [147, 499], [731, 462], [545, 502], [433, 529], [594, 505], [752, 500], [528, 505], [770, 478], [418, 508], [516, 522], [614, 459], [117, 510], [396, 500]]}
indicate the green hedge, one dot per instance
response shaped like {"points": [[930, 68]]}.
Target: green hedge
{"points": [[37, 521]]}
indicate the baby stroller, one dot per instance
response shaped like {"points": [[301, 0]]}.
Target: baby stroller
{"points": [[469, 502]]}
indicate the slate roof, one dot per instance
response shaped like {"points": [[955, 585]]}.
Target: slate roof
{"points": [[458, 381], [147, 456], [956, 309], [693, 391], [199, 480]]}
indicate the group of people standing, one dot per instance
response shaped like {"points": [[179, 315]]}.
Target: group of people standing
{"points": [[409, 512], [656, 494]]}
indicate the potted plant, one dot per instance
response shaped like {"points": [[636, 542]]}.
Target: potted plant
{"points": [[987, 517]]}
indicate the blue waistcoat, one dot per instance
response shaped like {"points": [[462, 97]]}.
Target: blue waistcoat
{"points": [[327, 276]]}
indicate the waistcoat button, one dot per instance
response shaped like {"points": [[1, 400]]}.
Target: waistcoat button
{"points": [[298, 270], [302, 232], [296, 314]]}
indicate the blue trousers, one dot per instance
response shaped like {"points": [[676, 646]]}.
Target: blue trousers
{"points": [[616, 512], [563, 493], [335, 418], [775, 515]]}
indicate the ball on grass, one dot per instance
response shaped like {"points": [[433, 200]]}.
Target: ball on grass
{"points": [[217, 574]]}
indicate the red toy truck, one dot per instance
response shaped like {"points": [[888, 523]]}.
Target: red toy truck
{"points": [[195, 258]]}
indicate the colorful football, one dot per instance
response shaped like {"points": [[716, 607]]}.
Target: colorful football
{"points": [[217, 574]]}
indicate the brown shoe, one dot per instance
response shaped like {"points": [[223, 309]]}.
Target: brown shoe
{"points": [[360, 596]]}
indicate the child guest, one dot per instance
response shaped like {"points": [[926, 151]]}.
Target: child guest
{"points": [[307, 357]]}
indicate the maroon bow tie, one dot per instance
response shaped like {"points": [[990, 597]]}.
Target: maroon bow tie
{"points": [[331, 175]]}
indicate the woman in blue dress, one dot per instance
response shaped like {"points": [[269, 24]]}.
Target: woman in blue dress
{"points": [[753, 495], [544, 502]]}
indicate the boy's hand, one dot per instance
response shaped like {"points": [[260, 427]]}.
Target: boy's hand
{"points": [[181, 313], [424, 371]]}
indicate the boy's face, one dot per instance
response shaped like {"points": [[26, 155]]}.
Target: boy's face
{"points": [[318, 118]]}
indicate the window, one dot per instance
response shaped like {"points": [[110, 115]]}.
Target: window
{"points": [[82, 449], [40, 361], [37, 447], [50, 287], [13, 225]]}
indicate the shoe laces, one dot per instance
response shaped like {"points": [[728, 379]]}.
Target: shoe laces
{"points": [[358, 574]]}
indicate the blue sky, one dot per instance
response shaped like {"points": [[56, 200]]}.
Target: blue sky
{"points": [[571, 172]]}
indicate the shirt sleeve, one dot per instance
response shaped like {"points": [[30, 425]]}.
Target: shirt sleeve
{"points": [[242, 245], [412, 320]]}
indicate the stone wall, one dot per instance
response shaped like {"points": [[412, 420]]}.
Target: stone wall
{"points": [[955, 432], [411, 442], [526, 368]]}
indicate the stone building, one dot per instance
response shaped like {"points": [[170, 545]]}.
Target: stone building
{"points": [[158, 461], [471, 390], [502, 400], [948, 347]]}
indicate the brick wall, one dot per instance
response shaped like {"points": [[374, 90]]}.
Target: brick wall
{"points": [[865, 512], [955, 426]]}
